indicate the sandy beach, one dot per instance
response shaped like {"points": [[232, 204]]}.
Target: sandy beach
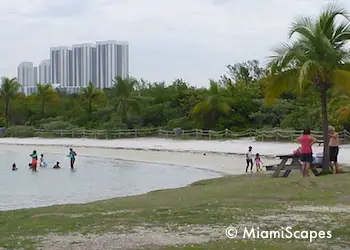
{"points": [[221, 156]]}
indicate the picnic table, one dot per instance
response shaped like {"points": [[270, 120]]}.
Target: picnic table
{"points": [[294, 165]]}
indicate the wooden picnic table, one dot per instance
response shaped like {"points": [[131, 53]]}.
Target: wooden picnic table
{"points": [[294, 165]]}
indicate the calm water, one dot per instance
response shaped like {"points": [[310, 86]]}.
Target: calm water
{"points": [[94, 179]]}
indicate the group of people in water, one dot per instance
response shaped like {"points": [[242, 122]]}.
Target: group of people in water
{"points": [[33, 165], [306, 140]]}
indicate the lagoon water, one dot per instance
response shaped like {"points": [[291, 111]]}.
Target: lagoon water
{"points": [[94, 179]]}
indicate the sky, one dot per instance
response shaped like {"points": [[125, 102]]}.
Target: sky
{"points": [[168, 39]]}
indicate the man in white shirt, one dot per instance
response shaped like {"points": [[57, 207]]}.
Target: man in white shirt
{"points": [[249, 159]]}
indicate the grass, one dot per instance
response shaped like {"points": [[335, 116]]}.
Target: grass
{"points": [[255, 200]]}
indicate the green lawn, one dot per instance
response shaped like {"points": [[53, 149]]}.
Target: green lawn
{"points": [[256, 200]]}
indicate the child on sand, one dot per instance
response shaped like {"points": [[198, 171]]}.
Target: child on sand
{"points": [[258, 163]]}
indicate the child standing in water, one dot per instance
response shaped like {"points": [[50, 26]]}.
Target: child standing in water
{"points": [[42, 162], [72, 156], [258, 163], [34, 156], [249, 159]]}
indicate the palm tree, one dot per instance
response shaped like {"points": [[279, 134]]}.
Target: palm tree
{"points": [[318, 57], [45, 95], [89, 94], [214, 103], [124, 96], [8, 90]]}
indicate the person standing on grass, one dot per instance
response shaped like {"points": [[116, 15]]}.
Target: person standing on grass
{"points": [[306, 141], [333, 148], [249, 160]]}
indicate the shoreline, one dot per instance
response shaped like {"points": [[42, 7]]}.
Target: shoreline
{"points": [[219, 163], [224, 157]]}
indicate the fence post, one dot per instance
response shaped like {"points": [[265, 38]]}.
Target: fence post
{"points": [[84, 133], [209, 134], [72, 133], [61, 133], [226, 132], [119, 133], [135, 132], [196, 133], [106, 135]]}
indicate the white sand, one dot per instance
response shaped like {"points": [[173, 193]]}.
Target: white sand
{"points": [[179, 152]]}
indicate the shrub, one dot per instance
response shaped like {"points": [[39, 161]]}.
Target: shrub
{"points": [[182, 122], [57, 125], [20, 131]]}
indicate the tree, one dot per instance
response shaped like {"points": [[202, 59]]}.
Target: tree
{"points": [[44, 94], [89, 94], [214, 103], [244, 73], [317, 58], [124, 98], [8, 91]]}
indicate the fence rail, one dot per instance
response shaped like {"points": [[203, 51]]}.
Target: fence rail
{"points": [[262, 135]]}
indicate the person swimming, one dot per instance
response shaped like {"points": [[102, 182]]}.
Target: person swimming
{"points": [[14, 167], [57, 165], [34, 156]]}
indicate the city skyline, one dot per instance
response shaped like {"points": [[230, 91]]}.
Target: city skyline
{"points": [[73, 67]]}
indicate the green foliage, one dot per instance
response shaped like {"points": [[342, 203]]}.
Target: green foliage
{"points": [[57, 125], [20, 131]]}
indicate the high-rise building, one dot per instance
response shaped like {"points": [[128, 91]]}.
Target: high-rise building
{"points": [[112, 61], [27, 77], [35, 76], [72, 68], [44, 72], [25, 74], [61, 66], [84, 64]]}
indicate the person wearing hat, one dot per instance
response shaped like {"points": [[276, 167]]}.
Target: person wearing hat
{"points": [[249, 159]]}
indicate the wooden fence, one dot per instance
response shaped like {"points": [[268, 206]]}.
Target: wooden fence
{"points": [[262, 135]]}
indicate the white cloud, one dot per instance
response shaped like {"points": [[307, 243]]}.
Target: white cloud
{"points": [[168, 39]]}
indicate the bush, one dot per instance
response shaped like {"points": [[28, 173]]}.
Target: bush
{"points": [[20, 131], [183, 122], [57, 125]]}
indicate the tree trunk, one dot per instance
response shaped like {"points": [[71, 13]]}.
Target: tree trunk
{"points": [[124, 112], [42, 108], [326, 160], [213, 118], [7, 104], [90, 109]]}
